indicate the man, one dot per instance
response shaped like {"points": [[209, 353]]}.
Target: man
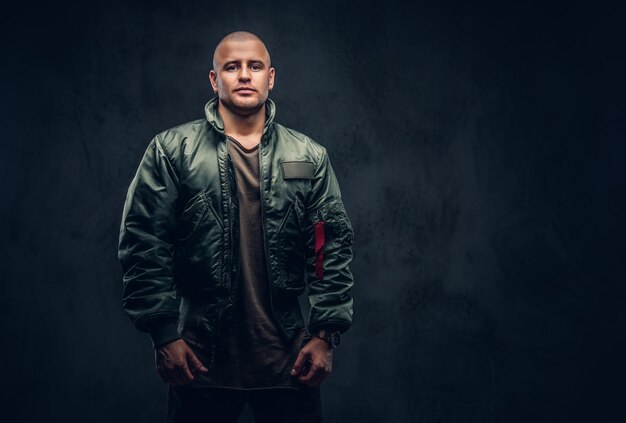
{"points": [[226, 221]]}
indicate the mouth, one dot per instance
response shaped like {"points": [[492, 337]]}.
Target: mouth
{"points": [[245, 90]]}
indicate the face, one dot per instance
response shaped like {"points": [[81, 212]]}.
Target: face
{"points": [[242, 77]]}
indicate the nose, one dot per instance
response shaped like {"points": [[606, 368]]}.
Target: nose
{"points": [[244, 75]]}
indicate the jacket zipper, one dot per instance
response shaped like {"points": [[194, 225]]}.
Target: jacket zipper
{"points": [[267, 263], [232, 241], [232, 255], [230, 287]]}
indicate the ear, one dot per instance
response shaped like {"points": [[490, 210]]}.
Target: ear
{"points": [[271, 78], [213, 79]]}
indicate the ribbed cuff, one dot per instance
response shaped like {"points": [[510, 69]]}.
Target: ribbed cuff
{"points": [[328, 327], [164, 333]]}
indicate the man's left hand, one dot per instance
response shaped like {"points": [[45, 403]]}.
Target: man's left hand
{"points": [[314, 362]]}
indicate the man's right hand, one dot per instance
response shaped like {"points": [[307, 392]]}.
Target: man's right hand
{"points": [[175, 361]]}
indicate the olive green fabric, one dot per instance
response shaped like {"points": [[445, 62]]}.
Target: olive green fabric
{"points": [[179, 232]]}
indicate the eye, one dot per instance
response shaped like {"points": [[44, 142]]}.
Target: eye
{"points": [[231, 68], [256, 67]]}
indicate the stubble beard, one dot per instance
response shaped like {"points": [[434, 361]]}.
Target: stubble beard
{"points": [[242, 110]]}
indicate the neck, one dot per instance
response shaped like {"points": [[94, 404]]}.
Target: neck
{"points": [[242, 126]]}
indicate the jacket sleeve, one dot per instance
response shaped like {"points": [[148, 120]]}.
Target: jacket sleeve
{"points": [[145, 248], [329, 251]]}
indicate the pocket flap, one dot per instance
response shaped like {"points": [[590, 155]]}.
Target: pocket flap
{"points": [[298, 170]]}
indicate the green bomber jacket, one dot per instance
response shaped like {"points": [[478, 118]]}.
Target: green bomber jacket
{"points": [[178, 240]]}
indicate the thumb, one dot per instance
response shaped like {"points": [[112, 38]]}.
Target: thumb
{"points": [[195, 362], [302, 356]]}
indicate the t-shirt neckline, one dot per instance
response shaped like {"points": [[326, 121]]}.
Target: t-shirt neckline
{"points": [[247, 150]]}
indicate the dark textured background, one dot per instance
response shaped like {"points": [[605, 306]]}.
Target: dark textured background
{"points": [[479, 151]]}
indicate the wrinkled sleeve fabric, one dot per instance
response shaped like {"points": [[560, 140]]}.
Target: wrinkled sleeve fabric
{"points": [[329, 237], [146, 246]]}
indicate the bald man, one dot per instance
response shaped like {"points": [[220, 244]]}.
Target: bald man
{"points": [[227, 221]]}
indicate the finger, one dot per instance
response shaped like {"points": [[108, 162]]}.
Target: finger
{"points": [[297, 367], [319, 377], [178, 379], [185, 374], [195, 362], [176, 375], [306, 369], [313, 382], [311, 374], [162, 371]]}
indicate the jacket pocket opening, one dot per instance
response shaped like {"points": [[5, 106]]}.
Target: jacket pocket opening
{"points": [[191, 217], [285, 217], [209, 201]]}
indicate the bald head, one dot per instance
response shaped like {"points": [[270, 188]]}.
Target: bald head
{"points": [[242, 75], [237, 36]]}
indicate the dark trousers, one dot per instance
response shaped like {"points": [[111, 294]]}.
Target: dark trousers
{"points": [[223, 405]]}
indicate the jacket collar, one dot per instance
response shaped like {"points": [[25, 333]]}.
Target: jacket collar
{"points": [[215, 119]]}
